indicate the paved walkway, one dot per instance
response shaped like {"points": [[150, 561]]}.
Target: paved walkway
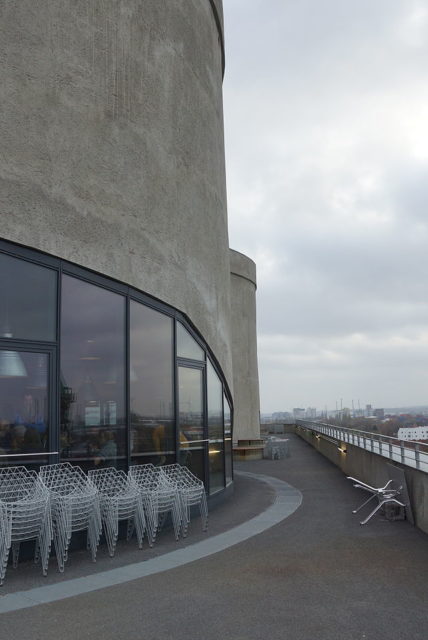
{"points": [[315, 574]]}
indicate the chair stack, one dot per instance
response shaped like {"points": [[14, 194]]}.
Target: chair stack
{"points": [[24, 515], [75, 507], [191, 491], [160, 498], [120, 499], [62, 500]]}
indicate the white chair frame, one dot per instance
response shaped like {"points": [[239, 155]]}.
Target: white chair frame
{"points": [[160, 498], [25, 514], [75, 507], [191, 491], [120, 499]]}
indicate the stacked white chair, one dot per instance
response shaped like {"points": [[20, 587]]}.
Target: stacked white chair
{"points": [[120, 499], [24, 515], [191, 491], [159, 496], [75, 507], [5, 539]]}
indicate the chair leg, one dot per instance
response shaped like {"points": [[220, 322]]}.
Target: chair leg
{"points": [[15, 553], [364, 503], [381, 503], [203, 507]]}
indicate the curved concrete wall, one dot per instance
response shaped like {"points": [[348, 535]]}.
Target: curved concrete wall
{"points": [[112, 146], [244, 347]]}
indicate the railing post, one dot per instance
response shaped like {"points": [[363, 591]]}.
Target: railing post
{"points": [[417, 456], [402, 451], [390, 450], [371, 444], [380, 445]]}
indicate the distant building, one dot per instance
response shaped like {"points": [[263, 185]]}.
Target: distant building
{"points": [[379, 413], [413, 433], [298, 413], [311, 412], [280, 415]]}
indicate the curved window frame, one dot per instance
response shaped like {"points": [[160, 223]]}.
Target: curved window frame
{"points": [[130, 293]]}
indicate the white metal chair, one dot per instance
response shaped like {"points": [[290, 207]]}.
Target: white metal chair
{"points": [[385, 495], [159, 498], [24, 515], [75, 507], [120, 499], [191, 491], [5, 539]]}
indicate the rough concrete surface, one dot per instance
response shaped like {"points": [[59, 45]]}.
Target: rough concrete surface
{"points": [[112, 146], [318, 574], [244, 347]]}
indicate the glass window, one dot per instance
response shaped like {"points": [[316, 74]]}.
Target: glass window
{"points": [[187, 347], [93, 425], [228, 441], [24, 407], [151, 386], [28, 300], [191, 420], [215, 429]]}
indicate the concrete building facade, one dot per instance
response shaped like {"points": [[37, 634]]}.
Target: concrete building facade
{"points": [[113, 175]]}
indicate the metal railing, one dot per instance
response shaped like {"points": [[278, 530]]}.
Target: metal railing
{"points": [[407, 452]]}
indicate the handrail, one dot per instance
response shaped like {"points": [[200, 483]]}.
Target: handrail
{"points": [[415, 455], [20, 455], [360, 431]]}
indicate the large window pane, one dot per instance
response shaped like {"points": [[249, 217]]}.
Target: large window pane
{"points": [[187, 347], [151, 386], [28, 300], [228, 441], [24, 411], [191, 421], [92, 375], [215, 429]]}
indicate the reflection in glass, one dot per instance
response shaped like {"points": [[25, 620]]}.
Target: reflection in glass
{"points": [[228, 441], [24, 410], [187, 347], [92, 375], [215, 429], [191, 421], [151, 386], [28, 300]]}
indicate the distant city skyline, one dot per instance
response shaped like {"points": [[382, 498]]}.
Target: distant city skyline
{"points": [[363, 411], [326, 130]]}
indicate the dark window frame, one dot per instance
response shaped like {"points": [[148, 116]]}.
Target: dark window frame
{"points": [[61, 266]]}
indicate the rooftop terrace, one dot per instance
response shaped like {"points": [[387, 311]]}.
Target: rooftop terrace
{"points": [[314, 574]]}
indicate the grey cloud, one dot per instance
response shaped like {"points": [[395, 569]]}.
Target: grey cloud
{"points": [[327, 161]]}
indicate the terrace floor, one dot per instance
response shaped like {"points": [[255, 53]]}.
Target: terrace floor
{"points": [[316, 574]]}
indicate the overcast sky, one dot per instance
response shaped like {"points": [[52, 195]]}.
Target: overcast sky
{"points": [[326, 126]]}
